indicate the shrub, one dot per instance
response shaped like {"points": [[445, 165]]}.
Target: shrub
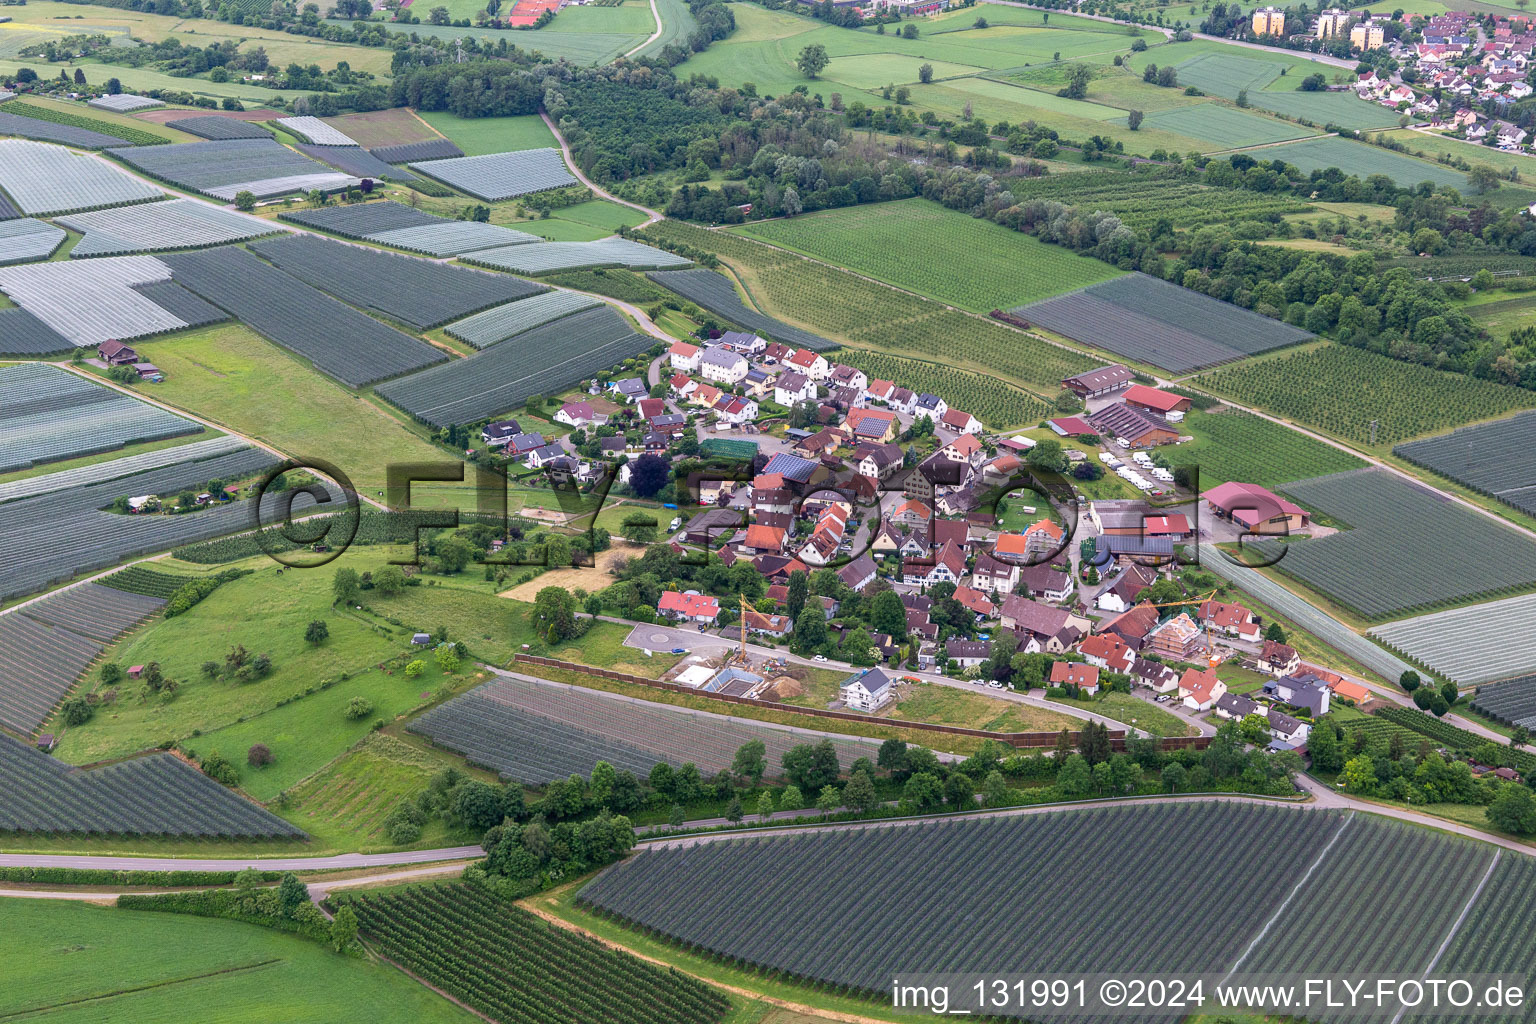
{"points": [[259, 756], [359, 707]]}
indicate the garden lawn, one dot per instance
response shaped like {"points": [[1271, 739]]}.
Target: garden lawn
{"points": [[921, 246], [307, 734], [234, 377], [267, 613], [1122, 707], [71, 962], [477, 136], [949, 705]]}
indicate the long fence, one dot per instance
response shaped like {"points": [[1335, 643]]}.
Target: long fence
{"points": [[1014, 739]]}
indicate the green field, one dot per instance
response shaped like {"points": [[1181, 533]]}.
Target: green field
{"points": [[1233, 445], [1500, 317], [1363, 160], [926, 248], [142, 80], [574, 44], [477, 136], [74, 964], [1226, 70], [1222, 126], [1433, 146]]}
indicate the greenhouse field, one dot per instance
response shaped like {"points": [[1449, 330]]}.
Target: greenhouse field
{"points": [[408, 152], [48, 131], [504, 376], [45, 180], [124, 102], [1404, 399], [924, 247], [1497, 459], [27, 239], [215, 128], [506, 321], [22, 334], [315, 131], [222, 169], [35, 398], [1152, 321], [354, 160], [92, 301], [154, 227], [548, 256], [359, 220], [499, 176], [1405, 547], [1513, 702], [157, 795], [451, 237], [350, 346], [1453, 643], [419, 293], [715, 292], [536, 731]]}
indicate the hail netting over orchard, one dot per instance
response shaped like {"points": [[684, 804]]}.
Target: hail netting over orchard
{"points": [[22, 334], [48, 538], [151, 796], [498, 176], [354, 160], [506, 321], [45, 179], [414, 291], [315, 131], [715, 292], [218, 128], [535, 731], [27, 239], [36, 398], [548, 256], [102, 471], [406, 152], [124, 102], [223, 169], [392, 223], [93, 301], [153, 227], [46, 645], [536, 362], [38, 130], [350, 346]]}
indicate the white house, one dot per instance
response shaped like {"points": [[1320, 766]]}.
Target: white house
{"points": [[1287, 731], [810, 363], [870, 690], [684, 357], [734, 411], [575, 414], [721, 364], [792, 388]]}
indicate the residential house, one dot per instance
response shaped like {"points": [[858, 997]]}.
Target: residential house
{"points": [[723, 365], [776, 626], [878, 391], [869, 690], [540, 457], [1178, 639], [1099, 382], [631, 389], [705, 395], [733, 411], [849, 377], [1075, 673], [1126, 589], [822, 443], [682, 385], [499, 432], [812, 364], [967, 653], [877, 461], [1349, 692], [935, 474], [1199, 689], [764, 540], [947, 566], [975, 602], [689, 606], [964, 422], [871, 425], [1107, 651], [1302, 691], [931, 406], [684, 357], [1043, 537], [792, 387], [519, 445], [959, 502], [1045, 582], [1278, 659], [1235, 706], [798, 473], [776, 352], [993, 575], [575, 414], [744, 342], [672, 424], [1288, 732], [1133, 625], [965, 448], [115, 353], [902, 400], [858, 573], [1154, 674], [912, 514], [1056, 629], [1229, 619]]}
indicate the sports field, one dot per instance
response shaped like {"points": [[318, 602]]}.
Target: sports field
{"points": [[1363, 160], [921, 246], [75, 964]]}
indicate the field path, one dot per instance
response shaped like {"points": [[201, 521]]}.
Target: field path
{"points": [[652, 216], [631, 52]]}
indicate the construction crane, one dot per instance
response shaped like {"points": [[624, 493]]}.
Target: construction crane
{"points": [[1197, 600]]}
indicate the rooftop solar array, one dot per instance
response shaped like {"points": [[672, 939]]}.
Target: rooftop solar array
{"points": [[156, 227], [124, 102], [45, 179], [27, 239], [92, 301], [497, 176], [315, 131], [548, 256]]}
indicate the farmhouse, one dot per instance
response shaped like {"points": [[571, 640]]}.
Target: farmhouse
{"points": [[1256, 508], [115, 353], [870, 690], [1136, 429], [1162, 403], [689, 607], [1098, 382]]}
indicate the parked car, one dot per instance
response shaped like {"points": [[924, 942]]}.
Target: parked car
{"points": [[819, 657]]}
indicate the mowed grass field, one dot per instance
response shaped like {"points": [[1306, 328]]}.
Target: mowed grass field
{"points": [[76, 963], [1226, 70], [1363, 159], [921, 246], [477, 136], [1223, 126]]}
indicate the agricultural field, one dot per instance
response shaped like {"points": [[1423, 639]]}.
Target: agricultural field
{"points": [[111, 465], [1363, 160], [923, 247], [1152, 321], [1513, 702], [1494, 937], [355, 349], [835, 304], [483, 136], [507, 321], [12, 122], [502, 377], [1502, 316], [419, 293], [1222, 126], [357, 162], [43, 180], [394, 126], [1404, 400], [497, 176], [1497, 459], [35, 396], [803, 886], [1271, 80], [511, 966], [155, 227], [1233, 445], [537, 731], [1396, 556], [22, 334], [1141, 200], [75, 963], [545, 257], [348, 802], [155, 795], [225, 168], [435, 148], [997, 404], [109, 298], [717, 293], [1454, 643], [217, 129]]}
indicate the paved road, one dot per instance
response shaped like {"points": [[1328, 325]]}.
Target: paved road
{"points": [[653, 36], [652, 216], [337, 862]]}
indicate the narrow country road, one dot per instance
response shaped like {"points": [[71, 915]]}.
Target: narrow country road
{"points": [[565, 150], [652, 37]]}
